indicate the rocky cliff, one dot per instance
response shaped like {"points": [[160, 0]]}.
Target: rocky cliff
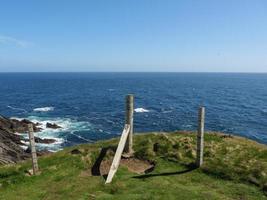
{"points": [[10, 142]]}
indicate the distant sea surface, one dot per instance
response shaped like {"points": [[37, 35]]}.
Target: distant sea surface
{"points": [[90, 106]]}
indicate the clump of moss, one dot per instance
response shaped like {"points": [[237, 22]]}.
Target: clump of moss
{"points": [[145, 150]]}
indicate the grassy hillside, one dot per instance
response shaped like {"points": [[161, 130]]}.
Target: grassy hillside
{"points": [[234, 168]]}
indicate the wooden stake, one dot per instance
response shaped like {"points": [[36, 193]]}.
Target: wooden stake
{"points": [[129, 120], [200, 136], [33, 149], [116, 160]]}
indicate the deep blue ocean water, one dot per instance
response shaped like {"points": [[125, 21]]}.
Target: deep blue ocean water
{"points": [[90, 106]]}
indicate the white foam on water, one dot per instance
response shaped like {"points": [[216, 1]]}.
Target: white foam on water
{"points": [[16, 133], [78, 136], [43, 109], [20, 109], [24, 147], [24, 142], [68, 126], [141, 110]]}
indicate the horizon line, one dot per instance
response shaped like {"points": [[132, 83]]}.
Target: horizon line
{"points": [[134, 72]]}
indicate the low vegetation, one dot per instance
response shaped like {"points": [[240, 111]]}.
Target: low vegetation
{"points": [[234, 168]]}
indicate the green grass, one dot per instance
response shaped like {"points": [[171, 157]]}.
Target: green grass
{"points": [[234, 168]]}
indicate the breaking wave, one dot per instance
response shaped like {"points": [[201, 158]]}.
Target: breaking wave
{"points": [[68, 127], [141, 110], [43, 109]]}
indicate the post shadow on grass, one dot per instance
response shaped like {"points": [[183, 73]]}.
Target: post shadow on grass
{"points": [[96, 167], [189, 168]]}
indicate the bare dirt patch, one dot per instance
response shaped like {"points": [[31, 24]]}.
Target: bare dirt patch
{"points": [[132, 164]]}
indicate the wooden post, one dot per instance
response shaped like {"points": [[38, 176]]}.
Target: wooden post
{"points": [[33, 150], [200, 136], [129, 120], [116, 160]]}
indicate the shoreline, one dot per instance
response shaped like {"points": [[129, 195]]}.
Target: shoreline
{"points": [[18, 138]]}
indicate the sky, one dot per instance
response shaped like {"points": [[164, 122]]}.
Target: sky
{"points": [[133, 36]]}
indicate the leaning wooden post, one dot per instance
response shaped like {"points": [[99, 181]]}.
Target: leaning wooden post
{"points": [[116, 160], [33, 149], [129, 120], [200, 136]]}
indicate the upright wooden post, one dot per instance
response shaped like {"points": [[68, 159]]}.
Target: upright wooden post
{"points": [[129, 120], [33, 150], [200, 136]]}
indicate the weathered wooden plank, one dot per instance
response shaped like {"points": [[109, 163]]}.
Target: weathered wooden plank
{"points": [[116, 161], [200, 136], [33, 149], [129, 120]]}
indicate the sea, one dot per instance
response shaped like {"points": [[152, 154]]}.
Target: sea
{"points": [[91, 106]]}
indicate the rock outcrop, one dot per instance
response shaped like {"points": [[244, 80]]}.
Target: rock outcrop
{"points": [[14, 125], [53, 126], [44, 141], [10, 150], [10, 142]]}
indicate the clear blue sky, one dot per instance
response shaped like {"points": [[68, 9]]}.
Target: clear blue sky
{"points": [[133, 35]]}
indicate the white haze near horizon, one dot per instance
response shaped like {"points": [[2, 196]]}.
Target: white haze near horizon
{"points": [[130, 68]]}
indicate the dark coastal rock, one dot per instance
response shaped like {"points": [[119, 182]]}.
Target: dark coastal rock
{"points": [[28, 150], [22, 126], [44, 140], [41, 140], [75, 151], [53, 126], [10, 149]]}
